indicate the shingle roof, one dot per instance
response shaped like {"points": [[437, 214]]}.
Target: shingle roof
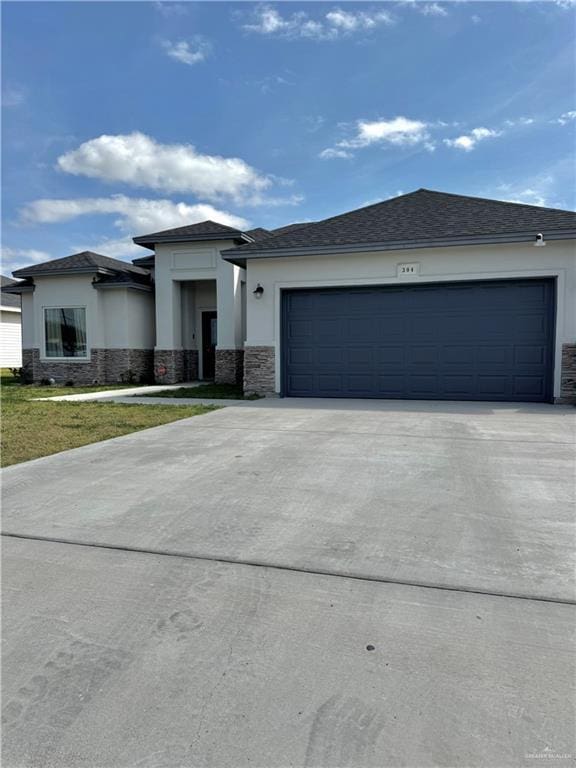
{"points": [[292, 227], [85, 261], [204, 230], [258, 233], [423, 215], [124, 278], [9, 299]]}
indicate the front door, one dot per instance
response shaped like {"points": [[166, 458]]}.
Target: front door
{"points": [[209, 336]]}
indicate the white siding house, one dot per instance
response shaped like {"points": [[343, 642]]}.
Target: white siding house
{"points": [[10, 328]]}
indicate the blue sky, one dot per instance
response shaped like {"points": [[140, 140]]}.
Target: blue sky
{"points": [[125, 118]]}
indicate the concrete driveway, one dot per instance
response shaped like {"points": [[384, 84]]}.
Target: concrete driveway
{"points": [[296, 583]]}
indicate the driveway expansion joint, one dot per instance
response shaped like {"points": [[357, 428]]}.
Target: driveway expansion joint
{"points": [[402, 435], [288, 569]]}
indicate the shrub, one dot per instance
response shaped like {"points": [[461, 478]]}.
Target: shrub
{"points": [[128, 377], [23, 375]]}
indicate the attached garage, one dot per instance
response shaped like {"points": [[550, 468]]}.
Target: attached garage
{"points": [[475, 340]]}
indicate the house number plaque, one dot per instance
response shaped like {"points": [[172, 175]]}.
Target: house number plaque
{"points": [[408, 270]]}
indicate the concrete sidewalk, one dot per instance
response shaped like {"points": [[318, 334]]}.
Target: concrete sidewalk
{"points": [[112, 394]]}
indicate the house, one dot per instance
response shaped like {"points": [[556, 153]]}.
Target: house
{"points": [[10, 327], [427, 295]]}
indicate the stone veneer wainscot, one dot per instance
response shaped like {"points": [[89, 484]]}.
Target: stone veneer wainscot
{"points": [[229, 366], [568, 374], [259, 370], [105, 366]]}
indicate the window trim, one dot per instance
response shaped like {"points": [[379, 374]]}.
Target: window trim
{"points": [[79, 359]]}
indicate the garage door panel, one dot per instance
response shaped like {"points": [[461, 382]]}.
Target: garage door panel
{"points": [[389, 328], [457, 385], [391, 385], [491, 355], [422, 355], [301, 356], [486, 340], [300, 329], [301, 383], [423, 385], [530, 355], [330, 357], [388, 355], [528, 386], [361, 384], [457, 355], [327, 329], [494, 385], [531, 325]]}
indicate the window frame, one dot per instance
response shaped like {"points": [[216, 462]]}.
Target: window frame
{"points": [[76, 359]]}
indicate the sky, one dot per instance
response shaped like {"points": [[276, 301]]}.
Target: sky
{"points": [[123, 118]]}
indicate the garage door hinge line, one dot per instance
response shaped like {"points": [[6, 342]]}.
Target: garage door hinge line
{"points": [[287, 568]]}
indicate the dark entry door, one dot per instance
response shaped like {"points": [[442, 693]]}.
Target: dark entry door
{"points": [[209, 337], [485, 340]]}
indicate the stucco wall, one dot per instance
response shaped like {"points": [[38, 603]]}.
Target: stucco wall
{"points": [[115, 318], [557, 259], [176, 265]]}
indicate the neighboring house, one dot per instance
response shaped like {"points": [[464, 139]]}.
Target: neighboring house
{"points": [[424, 296], [10, 327]]}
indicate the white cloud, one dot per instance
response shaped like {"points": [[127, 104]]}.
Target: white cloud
{"points": [[170, 10], [136, 215], [432, 9], [270, 83], [120, 248], [331, 154], [468, 142], [400, 131], [140, 161], [187, 52], [540, 189], [16, 258], [313, 123], [427, 9], [529, 197], [332, 25], [13, 97], [566, 117], [476, 19]]}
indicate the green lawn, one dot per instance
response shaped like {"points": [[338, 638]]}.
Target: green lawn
{"points": [[33, 429], [216, 391]]}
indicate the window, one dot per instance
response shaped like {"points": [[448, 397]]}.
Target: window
{"points": [[65, 329]]}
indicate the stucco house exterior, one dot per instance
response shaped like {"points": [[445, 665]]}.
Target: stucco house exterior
{"points": [[428, 295], [10, 327]]}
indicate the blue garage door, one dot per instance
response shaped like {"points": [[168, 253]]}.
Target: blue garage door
{"points": [[488, 340]]}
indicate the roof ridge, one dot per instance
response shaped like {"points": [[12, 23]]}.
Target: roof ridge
{"points": [[493, 200], [367, 207]]}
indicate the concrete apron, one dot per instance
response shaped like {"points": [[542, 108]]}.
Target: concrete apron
{"points": [[136, 660], [463, 496]]}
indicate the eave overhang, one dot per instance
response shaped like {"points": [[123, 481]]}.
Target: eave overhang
{"points": [[145, 241], [237, 257], [128, 286], [62, 272]]}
